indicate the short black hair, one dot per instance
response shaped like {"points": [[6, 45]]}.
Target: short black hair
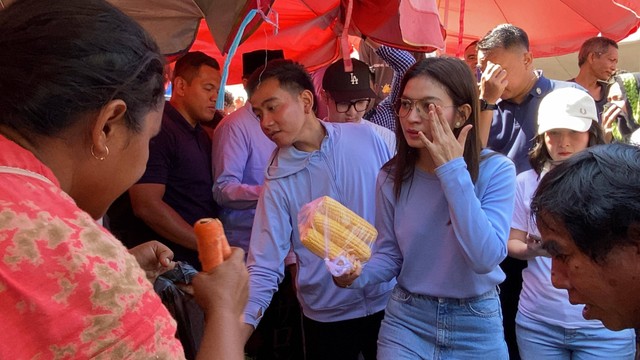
{"points": [[64, 59], [254, 59], [187, 66], [291, 76], [504, 36], [595, 194]]}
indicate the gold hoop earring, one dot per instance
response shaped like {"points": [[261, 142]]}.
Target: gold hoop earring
{"points": [[101, 158]]}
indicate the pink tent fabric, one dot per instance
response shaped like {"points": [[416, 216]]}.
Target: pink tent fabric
{"points": [[409, 24], [418, 17]]}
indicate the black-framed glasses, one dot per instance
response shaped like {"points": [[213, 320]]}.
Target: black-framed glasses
{"points": [[358, 105], [404, 106]]}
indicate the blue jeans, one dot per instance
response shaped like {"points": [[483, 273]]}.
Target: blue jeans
{"points": [[425, 327], [538, 340]]}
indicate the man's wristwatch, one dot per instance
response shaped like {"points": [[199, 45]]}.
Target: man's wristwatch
{"points": [[484, 105]]}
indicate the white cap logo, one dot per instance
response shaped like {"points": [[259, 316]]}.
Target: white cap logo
{"points": [[354, 79]]}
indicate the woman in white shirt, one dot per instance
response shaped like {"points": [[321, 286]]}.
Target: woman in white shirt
{"points": [[547, 325]]}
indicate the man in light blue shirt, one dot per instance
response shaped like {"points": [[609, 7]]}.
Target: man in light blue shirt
{"points": [[239, 155], [313, 158]]}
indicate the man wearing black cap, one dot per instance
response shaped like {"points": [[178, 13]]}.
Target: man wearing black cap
{"points": [[348, 95]]}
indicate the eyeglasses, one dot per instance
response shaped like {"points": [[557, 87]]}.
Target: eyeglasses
{"points": [[404, 106], [358, 105]]}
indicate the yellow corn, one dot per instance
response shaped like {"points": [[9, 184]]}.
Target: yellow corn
{"points": [[314, 241], [341, 236], [347, 218]]}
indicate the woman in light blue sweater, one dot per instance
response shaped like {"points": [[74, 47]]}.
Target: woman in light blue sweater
{"points": [[443, 210]]}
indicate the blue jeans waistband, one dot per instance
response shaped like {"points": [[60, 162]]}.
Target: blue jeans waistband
{"points": [[461, 301]]}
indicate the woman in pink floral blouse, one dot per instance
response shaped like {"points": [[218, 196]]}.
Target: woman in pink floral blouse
{"points": [[81, 94]]}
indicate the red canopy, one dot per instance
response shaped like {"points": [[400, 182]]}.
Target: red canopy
{"points": [[309, 31]]}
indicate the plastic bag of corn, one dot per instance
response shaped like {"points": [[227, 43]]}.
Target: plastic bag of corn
{"points": [[335, 233]]}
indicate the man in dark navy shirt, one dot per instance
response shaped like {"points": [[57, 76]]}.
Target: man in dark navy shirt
{"points": [[510, 93], [175, 189]]}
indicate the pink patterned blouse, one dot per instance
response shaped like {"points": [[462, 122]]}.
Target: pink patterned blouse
{"points": [[68, 288]]}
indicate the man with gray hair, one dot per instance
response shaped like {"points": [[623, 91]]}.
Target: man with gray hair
{"points": [[588, 212], [598, 60]]}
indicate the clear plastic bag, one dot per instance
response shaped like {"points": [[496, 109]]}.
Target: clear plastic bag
{"points": [[336, 234]]}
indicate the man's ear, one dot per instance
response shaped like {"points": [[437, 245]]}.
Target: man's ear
{"points": [[179, 84], [104, 127], [307, 99], [528, 60]]}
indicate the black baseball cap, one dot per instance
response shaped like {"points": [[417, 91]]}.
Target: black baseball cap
{"points": [[255, 59], [346, 86]]}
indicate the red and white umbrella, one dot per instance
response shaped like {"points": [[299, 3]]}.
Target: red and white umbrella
{"points": [[555, 27]]}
